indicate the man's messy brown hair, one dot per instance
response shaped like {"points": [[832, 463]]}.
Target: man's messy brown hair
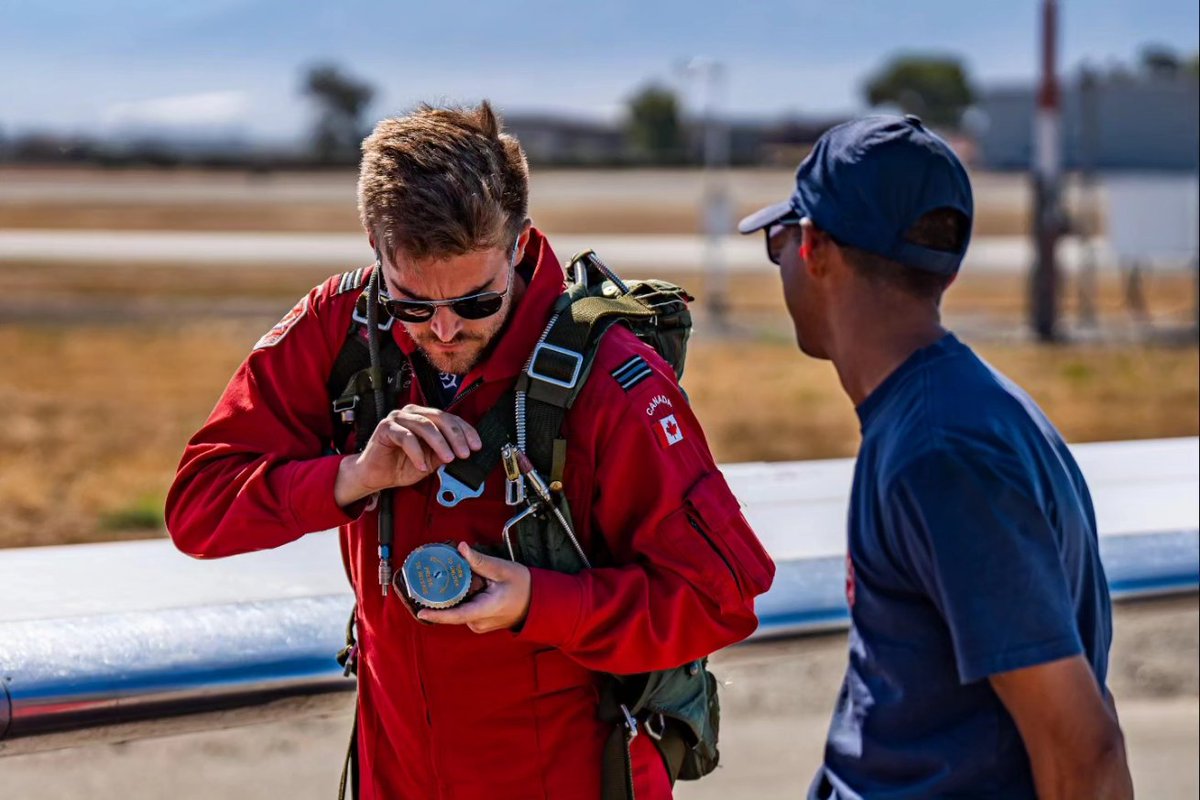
{"points": [[441, 182]]}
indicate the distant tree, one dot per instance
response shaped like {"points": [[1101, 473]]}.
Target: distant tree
{"points": [[1192, 67], [935, 88], [1159, 61], [654, 126], [341, 101]]}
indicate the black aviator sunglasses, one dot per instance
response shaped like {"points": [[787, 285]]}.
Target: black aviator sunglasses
{"points": [[475, 306]]}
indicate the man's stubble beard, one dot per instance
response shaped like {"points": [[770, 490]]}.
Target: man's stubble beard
{"points": [[458, 363], [464, 362]]}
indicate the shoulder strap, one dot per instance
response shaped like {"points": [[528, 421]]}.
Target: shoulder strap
{"points": [[560, 363], [351, 382], [560, 366], [557, 371]]}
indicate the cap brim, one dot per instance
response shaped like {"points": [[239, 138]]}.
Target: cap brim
{"points": [[766, 216]]}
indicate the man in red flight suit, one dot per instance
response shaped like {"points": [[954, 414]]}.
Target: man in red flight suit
{"points": [[498, 698]]}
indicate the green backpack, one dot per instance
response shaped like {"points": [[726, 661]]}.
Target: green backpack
{"points": [[678, 708]]}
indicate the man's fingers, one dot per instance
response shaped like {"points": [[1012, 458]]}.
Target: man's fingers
{"points": [[446, 616], [423, 427], [473, 438], [495, 569], [461, 436], [409, 443], [448, 435], [474, 611]]}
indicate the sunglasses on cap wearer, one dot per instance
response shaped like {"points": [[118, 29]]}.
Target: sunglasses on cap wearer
{"points": [[475, 306], [777, 236]]}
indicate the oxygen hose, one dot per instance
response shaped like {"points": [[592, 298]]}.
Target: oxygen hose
{"points": [[379, 385]]}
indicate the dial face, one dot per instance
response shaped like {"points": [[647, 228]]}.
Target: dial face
{"points": [[436, 576]]}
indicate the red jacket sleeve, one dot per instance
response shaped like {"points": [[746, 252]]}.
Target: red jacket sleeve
{"points": [[691, 564], [255, 477]]}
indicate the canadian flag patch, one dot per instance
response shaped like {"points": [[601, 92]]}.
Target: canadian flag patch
{"points": [[668, 430]]}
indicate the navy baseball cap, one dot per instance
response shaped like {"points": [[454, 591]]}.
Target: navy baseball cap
{"points": [[867, 182]]}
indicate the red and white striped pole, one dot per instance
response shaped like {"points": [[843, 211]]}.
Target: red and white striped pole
{"points": [[1047, 184]]}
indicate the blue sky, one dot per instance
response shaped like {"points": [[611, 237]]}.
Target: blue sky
{"points": [[81, 65]]}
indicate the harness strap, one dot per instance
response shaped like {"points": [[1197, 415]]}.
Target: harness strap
{"points": [[616, 775], [617, 765], [558, 369], [348, 658], [561, 362], [352, 382], [493, 432], [350, 765], [542, 416]]}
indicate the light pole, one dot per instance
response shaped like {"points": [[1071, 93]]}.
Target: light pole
{"points": [[1047, 178]]}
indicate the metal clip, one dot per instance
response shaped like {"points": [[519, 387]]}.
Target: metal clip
{"points": [[452, 491], [508, 526], [631, 726], [345, 409], [656, 735], [514, 492], [514, 489], [385, 575]]}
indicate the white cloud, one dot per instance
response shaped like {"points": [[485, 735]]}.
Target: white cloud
{"points": [[201, 112]]}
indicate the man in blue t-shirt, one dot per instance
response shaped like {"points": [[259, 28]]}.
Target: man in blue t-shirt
{"points": [[980, 613]]}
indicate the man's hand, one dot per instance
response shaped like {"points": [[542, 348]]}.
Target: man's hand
{"points": [[1069, 728], [502, 604], [406, 446]]}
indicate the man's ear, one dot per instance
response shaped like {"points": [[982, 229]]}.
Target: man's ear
{"points": [[814, 244], [523, 241]]}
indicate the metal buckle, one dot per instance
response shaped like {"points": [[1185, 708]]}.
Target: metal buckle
{"points": [[656, 735], [533, 371], [452, 491], [631, 726]]}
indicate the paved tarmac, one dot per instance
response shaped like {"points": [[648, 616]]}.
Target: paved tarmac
{"points": [[776, 707]]}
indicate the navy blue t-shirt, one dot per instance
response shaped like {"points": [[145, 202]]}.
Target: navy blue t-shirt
{"points": [[972, 551]]}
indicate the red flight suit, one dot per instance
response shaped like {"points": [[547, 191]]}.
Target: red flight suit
{"points": [[444, 713]]}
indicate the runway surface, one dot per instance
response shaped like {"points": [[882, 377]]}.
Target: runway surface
{"points": [[776, 707]]}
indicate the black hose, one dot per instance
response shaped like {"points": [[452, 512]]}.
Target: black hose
{"points": [[379, 385]]}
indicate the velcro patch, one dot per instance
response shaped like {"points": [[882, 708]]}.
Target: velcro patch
{"points": [[632, 372], [273, 336]]}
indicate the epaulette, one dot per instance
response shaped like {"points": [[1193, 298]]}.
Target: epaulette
{"points": [[632, 372], [351, 280]]}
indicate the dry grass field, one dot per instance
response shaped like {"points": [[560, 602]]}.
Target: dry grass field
{"points": [[107, 371]]}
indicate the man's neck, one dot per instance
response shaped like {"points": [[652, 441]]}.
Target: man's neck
{"points": [[871, 342]]}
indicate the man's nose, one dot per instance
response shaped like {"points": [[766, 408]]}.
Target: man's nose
{"points": [[445, 324]]}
